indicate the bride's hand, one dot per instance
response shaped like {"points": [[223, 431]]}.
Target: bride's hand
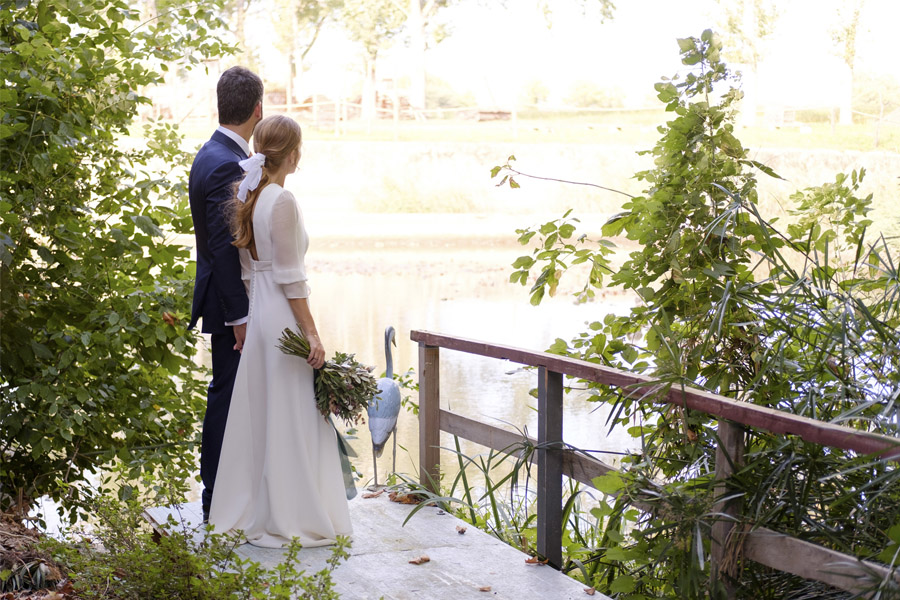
{"points": [[316, 353]]}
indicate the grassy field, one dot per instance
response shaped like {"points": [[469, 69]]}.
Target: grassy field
{"points": [[637, 129], [442, 165]]}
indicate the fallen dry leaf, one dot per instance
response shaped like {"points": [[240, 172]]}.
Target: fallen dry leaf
{"points": [[484, 588], [420, 560], [65, 587], [534, 560], [589, 591], [373, 494], [405, 498], [460, 529]]}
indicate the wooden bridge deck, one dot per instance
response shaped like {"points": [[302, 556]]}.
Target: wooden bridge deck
{"points": [[461, 565]]}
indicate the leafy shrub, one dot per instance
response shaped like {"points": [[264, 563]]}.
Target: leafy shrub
{"points": [[98, 364], [123, 559], [803, 318]]}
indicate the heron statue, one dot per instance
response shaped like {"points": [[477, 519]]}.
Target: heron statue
{"points": [[385, 407]]}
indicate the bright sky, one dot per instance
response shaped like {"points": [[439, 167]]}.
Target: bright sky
{"points": [[496, 49]]}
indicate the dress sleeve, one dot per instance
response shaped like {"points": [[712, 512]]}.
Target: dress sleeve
{"points": [[289, 244], [245, 257]]}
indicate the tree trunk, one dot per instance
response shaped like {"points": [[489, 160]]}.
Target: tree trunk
{"points": [[289, 86], [416, 21], [368, 96], [292, 62], [239, 28]]}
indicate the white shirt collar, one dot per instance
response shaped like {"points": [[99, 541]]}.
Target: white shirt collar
{"points": [[237, 139]]}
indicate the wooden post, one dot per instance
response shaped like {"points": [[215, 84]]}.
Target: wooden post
{"points": [[550, 461], [515, 122], [729, 457], [337, 117], [429, 417], [396, 107]]}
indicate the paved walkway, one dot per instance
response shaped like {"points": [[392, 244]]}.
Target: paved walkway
{"points": [[461, 565]]}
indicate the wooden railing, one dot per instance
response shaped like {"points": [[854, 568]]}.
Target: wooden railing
{"points": [[554, 460]]}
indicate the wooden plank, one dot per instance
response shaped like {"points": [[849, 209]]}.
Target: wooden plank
{"points": [[811, 561], [576, 465], [550, 461], [429, 417], [637, 386], [729, 456], [481, 433]]}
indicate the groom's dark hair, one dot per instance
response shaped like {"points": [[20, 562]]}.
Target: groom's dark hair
{"points": [[238, 92]]}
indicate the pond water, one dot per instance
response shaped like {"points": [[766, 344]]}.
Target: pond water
{"points": [[371, 271], [457, 285]]}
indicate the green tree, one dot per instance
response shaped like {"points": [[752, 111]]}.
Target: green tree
{"points": [[746, 26], [419, 15], [422, 25], [876, 97], [802, 318], [298, 24], [373, 24], [97, 364], [846, 39], [235, 13], [846, 33], [535, 92], [443, 95], [587, 94]]}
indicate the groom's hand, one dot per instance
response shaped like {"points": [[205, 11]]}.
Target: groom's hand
{"points": [[240, 333]]}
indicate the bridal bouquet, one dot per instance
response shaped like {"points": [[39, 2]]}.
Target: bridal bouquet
{"points": [[343, 385]]}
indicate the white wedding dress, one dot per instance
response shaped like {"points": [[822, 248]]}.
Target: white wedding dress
{"points": [[279, 472]]}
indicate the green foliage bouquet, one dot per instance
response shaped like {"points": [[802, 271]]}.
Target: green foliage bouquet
{"points": [[343, 385]]}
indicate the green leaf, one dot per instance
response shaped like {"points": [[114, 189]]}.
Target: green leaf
{"points": [[622, 584], [523, 262], [609, 484], [146, 224]]}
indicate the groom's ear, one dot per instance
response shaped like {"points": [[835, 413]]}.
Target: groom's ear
{"points": [[258, 111]]}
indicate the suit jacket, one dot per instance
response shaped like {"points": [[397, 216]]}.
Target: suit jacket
{"points": [[219, 294]]}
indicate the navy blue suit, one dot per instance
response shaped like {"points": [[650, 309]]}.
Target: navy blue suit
{"points": [[219, 294]]}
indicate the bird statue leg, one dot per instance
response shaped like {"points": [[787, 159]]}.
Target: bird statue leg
{"points": [[375, 469], [394, 468]]}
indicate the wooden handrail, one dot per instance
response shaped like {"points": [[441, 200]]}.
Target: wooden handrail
{"points": [[767, 547], [637, 386]]}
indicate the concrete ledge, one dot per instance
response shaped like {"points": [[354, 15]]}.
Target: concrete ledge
{"points": [[379, 566]]}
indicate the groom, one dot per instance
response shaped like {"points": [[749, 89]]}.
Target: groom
{"points": [[219, 295]]}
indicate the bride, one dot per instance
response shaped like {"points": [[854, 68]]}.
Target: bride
{"points": [[279, 474]]}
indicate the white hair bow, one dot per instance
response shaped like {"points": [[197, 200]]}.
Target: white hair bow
{"points": [[253, 166]]}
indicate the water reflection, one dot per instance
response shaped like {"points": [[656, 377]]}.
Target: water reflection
{"points": [[461, 291]]}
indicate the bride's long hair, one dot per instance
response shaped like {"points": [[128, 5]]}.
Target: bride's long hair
{"points": [[275, 137]]}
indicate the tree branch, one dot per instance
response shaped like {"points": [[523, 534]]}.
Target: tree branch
{"points": [[517, 172]]}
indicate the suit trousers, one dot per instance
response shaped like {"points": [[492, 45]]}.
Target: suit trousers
{"points": [[225, 361]]}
